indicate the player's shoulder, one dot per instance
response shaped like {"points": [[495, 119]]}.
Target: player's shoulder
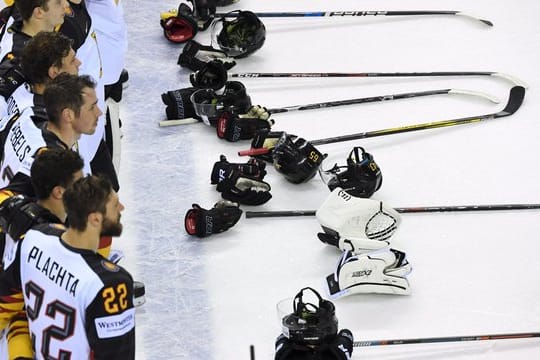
{"points": [[46, 229], [109, 273]]}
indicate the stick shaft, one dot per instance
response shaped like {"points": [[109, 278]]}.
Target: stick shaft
{"points": [[365, 74], [446, 339], [406, 210]]}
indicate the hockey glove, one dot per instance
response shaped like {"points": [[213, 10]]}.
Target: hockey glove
{"points": [[195, 56], [253, 168], [296, 158], [204, 11], [201, 222], [233, 127], [212, 76], [179, 105], [17, 215], [181, 27], [235, 186], [340, 348]]}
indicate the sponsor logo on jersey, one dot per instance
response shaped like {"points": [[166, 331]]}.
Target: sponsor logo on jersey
{"points": [[109, 266], [115, 325]]}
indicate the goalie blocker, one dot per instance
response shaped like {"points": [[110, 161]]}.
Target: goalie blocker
{"points": [[382, 272], [356, 224]]}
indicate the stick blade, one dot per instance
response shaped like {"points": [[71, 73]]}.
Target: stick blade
{"points": [[517, 94]]}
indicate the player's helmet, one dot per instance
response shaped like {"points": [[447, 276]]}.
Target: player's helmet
{"points": [[361, 177], [310, 324], [242, 36]]}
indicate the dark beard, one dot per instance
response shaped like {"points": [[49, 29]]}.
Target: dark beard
{"points": [[110, 228]]}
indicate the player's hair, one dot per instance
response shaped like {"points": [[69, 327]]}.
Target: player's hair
{"points": [[26, 7], [65, 91], [85, 196], [45, 49], [53, 167]]}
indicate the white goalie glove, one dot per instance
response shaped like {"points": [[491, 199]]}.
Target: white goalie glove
{"points": [[383, 272], [356, 224]]}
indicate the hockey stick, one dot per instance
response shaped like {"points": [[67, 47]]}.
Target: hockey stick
{"points": [[517, 93], [360, 14], [405, 210], [504, 76], [329, 104], [446, 339]]}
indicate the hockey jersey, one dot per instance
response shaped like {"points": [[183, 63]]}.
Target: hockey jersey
{"points": [[79, 305]]}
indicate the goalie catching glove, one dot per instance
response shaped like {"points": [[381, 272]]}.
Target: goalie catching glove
{"points": [[241, 183], [201, 222], [233, 127], [356, 224], [296, 158], [383, 272], [195, 57]]}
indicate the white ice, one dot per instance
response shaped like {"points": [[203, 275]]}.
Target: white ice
{"points": [[474, 273]]}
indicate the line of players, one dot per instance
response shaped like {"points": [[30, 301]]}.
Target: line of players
{"points": [[60, 296]]}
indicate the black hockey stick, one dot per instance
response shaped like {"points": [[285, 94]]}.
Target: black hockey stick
{"points": [[360, 13], [368, 343], [336, 103], [517, 94], [406, 210], [504, 76]]}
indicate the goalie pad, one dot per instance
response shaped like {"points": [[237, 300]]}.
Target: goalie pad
{"points": [[179, 105], [382, 272], [195, 56], [201, 222], [356, 224], [179, 26], [296, 158]]}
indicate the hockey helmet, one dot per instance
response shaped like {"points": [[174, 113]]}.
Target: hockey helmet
{"points": [[310, 324], [361, 177], [242, 36]]}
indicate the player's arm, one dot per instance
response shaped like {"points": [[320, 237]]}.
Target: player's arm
{"points": [[110, 319]]}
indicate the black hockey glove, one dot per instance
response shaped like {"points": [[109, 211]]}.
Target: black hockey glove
{"points": [[179, 105], [234, 127], [203, 12], [296, 158], [195, 56], [201, 222], [212, 76], [253, 168], [340, 348], [247, 190], [180, 28], [288, 350], [18, 214]]}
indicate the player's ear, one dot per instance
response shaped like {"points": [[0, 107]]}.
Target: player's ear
{"points": [[94, 219], [57, 192]]}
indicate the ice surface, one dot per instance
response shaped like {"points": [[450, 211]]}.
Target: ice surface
{"points": [[474, 273]]}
